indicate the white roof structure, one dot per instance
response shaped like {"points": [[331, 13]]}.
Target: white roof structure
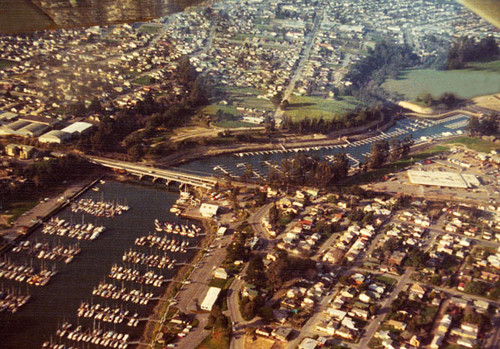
{"points": [[78, 127], [54, 136], [210, 298], [442, 179], [208, 210]]}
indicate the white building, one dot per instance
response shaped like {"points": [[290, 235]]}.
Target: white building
{"points": [[54, 136], [208, 210], [78, 128], [210, 298]]}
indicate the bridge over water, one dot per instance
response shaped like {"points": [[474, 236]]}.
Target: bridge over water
{"points": [[183, 178]]}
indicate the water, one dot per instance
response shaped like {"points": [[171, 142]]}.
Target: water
{"points": [[260, 163], [58, 301]]}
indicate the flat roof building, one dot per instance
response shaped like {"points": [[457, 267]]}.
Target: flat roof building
{"points": [[442, 179], [78, 128], [210, 298]]}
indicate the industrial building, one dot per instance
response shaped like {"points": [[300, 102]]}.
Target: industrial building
{"points": [[210, 298], [443, 179], [78, 128], [54, 136]]}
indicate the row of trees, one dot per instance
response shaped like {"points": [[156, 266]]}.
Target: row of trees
{"points": [[339, 122], [303, 170], [467, 49]]}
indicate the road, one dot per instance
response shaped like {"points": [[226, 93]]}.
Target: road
{"points": [[192, 293], [372, 327], [298, 72], [238, 337]]}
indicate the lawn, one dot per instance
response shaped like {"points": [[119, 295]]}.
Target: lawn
{"points": [[215, 340], [212, 109], [5, 63], [220, 283], [316, 107], [143, 80], [18, 208], [476, 144], [247, 98], [150, 29], [234, 124], [479, 79], [386, 280]]}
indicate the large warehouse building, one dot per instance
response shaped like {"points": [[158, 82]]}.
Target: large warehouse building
{"points": [[443, 179]]}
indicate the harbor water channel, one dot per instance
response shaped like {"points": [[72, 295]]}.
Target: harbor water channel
{"points": [[357, 151], [57, 302]]}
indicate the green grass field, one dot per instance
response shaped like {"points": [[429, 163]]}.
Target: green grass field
{"points": [[247, 98], [476, 144], [479, 79], [4, 63], [149, 29], [317, 107], [234, 124], [143, 80], [212, 109], [18, 208]]}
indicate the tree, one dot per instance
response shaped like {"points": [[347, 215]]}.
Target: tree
{"points": [[379, 154], [274, 214], [276, 99], [285, 104], [255, 272]]}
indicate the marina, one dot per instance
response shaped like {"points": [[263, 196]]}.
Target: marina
{"points": [[99, 208], [12, 300], [127, 291], [107, 314], [60, 227], [25, 273], [58, 252], [163, 243], [259, 162]]}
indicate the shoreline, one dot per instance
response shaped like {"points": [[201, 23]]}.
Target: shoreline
{"points": [[50, 208], [158, 314]]}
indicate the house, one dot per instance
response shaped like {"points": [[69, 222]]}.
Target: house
{"points": [[345, 333], [282, 333], [308, 343], [397, 258], [23, 151], [398, 325], [417, 291], [264, 332], [220, 273], [415, 341], [221, 231], [444, 324]]}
